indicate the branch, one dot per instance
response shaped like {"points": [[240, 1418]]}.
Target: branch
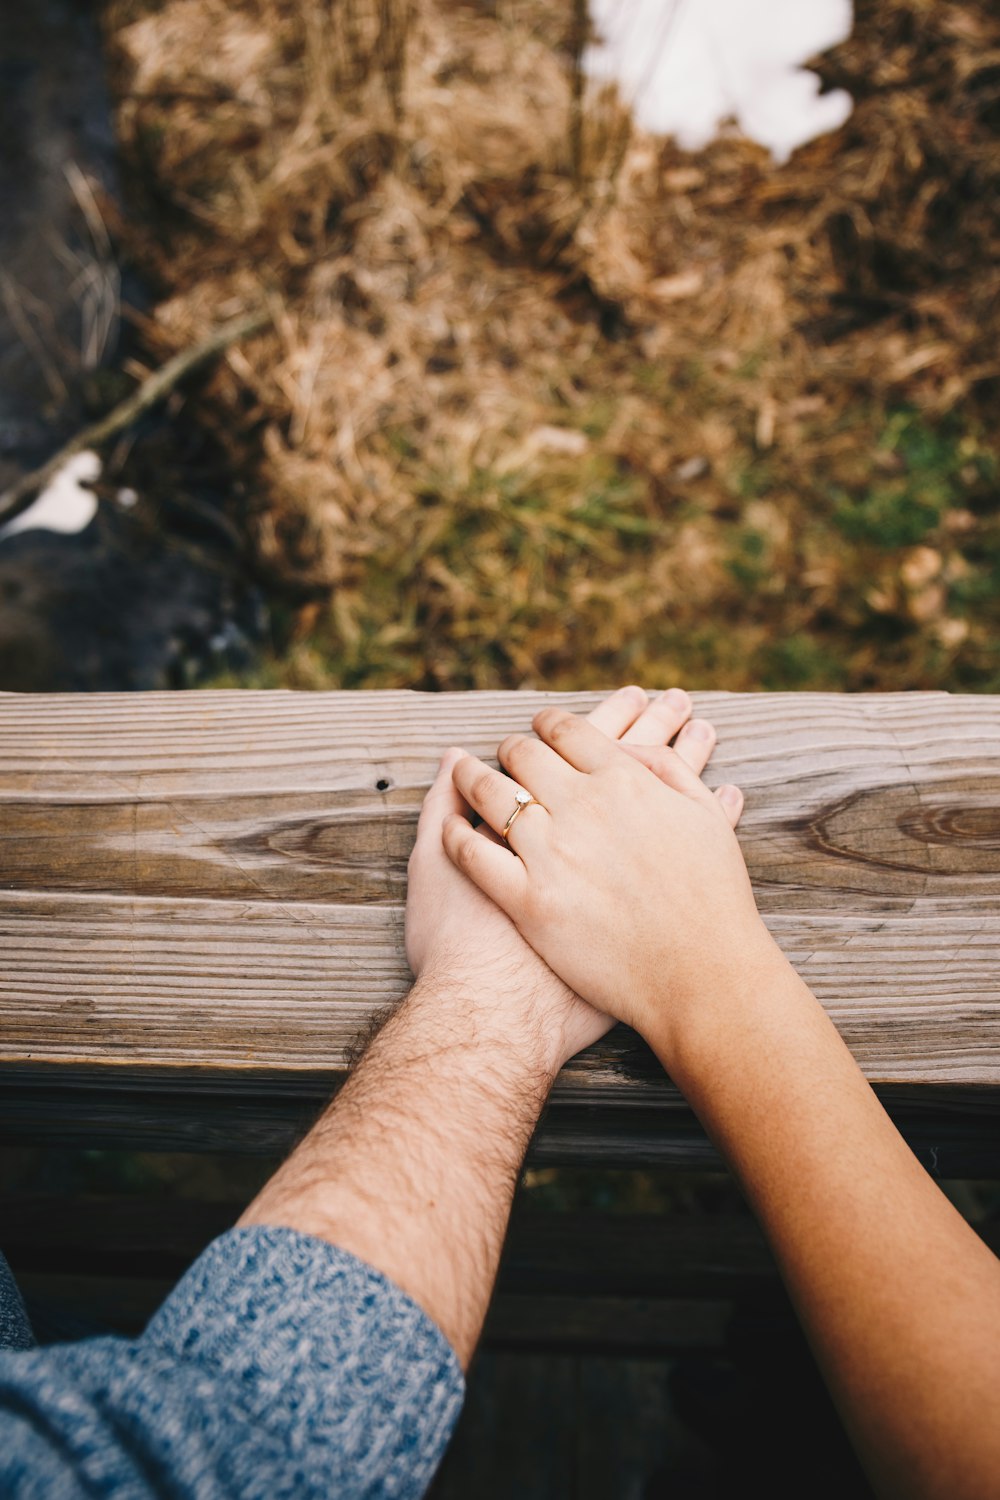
{"points": [[22, 492]]}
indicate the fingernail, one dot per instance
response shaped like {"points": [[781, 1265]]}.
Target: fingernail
{"points": [[635, 690], [730, 795], [678, 699], [698, 729]]}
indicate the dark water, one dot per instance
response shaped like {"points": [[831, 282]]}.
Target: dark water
{"points": [[54, 112], [136, 600]]}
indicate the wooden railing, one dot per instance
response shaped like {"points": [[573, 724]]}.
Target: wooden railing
{"points": [[201, 901]]}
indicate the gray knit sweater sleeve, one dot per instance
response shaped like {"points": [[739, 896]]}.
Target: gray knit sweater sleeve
{"points": [[280, 1366]]}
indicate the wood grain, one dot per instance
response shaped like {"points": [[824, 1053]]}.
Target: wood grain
{"points": [[205, 890], [546, 1253]]}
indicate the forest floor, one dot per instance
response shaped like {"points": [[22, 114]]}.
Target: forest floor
{"points": [[549, 403]]}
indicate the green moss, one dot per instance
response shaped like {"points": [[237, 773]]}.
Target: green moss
{"points": [[598, 416], [559, 574], [934, 464], [888, 517], [750, 560]]}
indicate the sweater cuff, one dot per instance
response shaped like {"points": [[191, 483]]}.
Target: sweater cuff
{"points": [[307, 1330]]}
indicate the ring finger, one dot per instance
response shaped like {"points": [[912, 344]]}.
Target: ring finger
{"points": [[494, 797]]}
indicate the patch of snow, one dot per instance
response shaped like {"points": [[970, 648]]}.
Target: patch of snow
{"points": [[64, 505], [687, 66]]}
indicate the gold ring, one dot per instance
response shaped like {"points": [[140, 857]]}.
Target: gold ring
{"points": [[522, 799]]}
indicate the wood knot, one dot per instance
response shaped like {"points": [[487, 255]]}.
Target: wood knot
{"points": [[969, 826], [953, 830]]}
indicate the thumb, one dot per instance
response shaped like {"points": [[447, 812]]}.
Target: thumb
{"points": [[442, 797]]}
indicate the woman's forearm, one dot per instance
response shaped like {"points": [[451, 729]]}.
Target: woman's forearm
{"points": [[899, 1297], [634, 890]]}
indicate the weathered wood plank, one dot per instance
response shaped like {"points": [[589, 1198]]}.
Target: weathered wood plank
{"points": [[954, 1133], [549, 1427], [208, 887], [680, 1254], [578, 1323], [547, 1253], [553, 1263], [271, 985], [566, 1280]]}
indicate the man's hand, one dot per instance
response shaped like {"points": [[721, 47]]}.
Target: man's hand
{"points": [[414, 1166], [460, 938]]}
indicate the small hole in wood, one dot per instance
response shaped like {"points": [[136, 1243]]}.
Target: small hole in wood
{"points": [[383, 784]]}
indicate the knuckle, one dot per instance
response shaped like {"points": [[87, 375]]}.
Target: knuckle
{"points": [[465, 854], [485, 786], [663, 760], [512, 749], [560, 725]]}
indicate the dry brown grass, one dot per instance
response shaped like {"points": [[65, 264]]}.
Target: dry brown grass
{"points": [[548, 401]]}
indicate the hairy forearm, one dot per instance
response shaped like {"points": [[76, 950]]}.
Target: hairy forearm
{"points": [[899, 1297], [413, 1166]]}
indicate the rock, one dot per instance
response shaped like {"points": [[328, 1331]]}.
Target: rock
{"points": [[115, 608]]}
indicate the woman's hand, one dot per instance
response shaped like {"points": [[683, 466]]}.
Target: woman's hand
{"points": [[634, 890], [459, 937], [631, 886]]}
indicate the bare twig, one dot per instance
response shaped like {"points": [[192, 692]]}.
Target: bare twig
{"points": [[21, 494]]}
